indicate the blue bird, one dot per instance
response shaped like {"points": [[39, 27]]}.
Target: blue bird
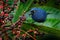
{"points": [[38, 15]]}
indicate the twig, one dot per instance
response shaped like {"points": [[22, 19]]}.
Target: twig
{"points": [[28, 34]]}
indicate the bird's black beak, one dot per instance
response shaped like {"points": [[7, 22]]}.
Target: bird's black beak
{"points": [[32, 12]]}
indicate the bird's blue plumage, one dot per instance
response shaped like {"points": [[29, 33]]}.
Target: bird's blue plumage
{"points": [[39, 15]]}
